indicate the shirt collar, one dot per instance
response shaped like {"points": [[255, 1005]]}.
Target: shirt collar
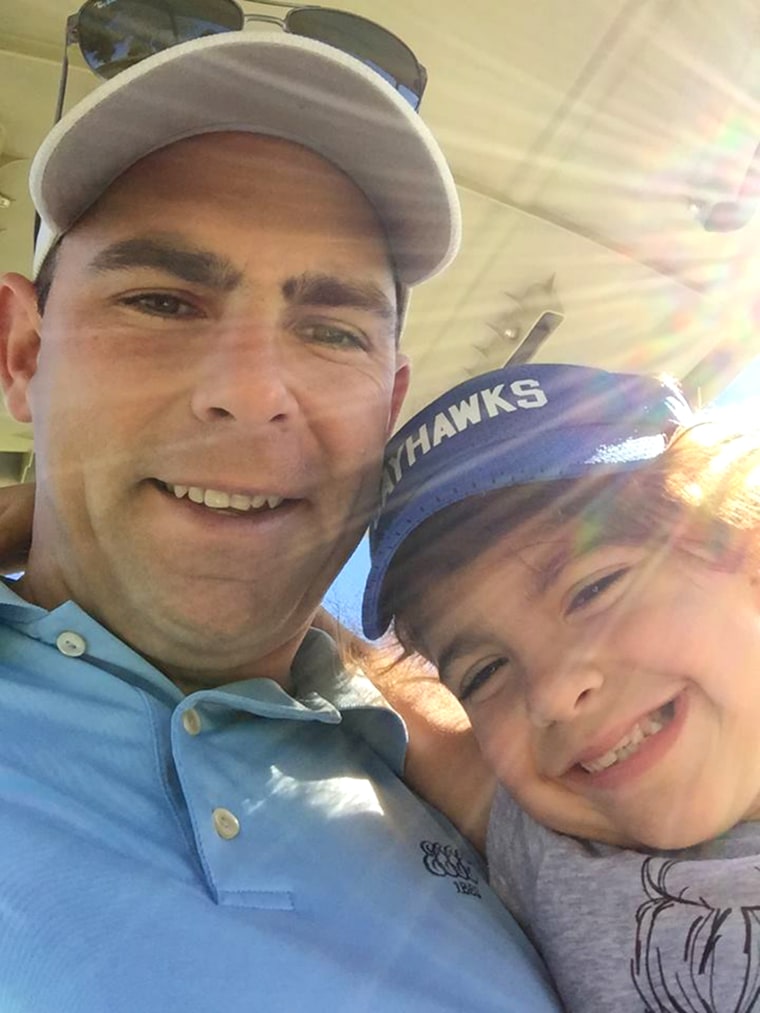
{"points": [[324, 690]]}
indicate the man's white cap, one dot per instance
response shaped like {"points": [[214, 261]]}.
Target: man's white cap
{"points": [[276, 84]]}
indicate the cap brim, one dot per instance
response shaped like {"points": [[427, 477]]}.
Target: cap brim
{"points": [[275, 84]]}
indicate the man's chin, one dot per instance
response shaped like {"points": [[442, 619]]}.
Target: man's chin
{"points": [[212, 639]]}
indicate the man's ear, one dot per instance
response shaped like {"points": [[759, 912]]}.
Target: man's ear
{"points": [[19, 342], [400, 387]]}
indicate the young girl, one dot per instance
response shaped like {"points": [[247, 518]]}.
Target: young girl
{"points": [[579, 560]]}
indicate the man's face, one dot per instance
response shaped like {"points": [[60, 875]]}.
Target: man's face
{"points": [[221, 327], [614, 690]]}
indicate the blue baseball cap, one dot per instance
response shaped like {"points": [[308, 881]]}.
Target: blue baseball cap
{"points": [[519, 424]]}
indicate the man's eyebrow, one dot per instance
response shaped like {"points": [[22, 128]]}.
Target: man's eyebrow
{"points": [[172, 256], [315, 289]]}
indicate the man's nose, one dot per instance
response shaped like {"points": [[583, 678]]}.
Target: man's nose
{"points": [[562, 688], [245, 375]]}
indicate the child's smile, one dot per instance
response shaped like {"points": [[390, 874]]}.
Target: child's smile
{"points": [[642, 747], [631, 743]]}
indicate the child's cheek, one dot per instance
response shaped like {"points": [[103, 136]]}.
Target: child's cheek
{"points": [[505, 741]]}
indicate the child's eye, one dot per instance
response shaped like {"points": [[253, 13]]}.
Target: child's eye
{"points": [[477, 680], [594, 590]]}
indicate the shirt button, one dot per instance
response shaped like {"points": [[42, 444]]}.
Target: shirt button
{"points": [[71, 644], [226, 823], [191, 721]]}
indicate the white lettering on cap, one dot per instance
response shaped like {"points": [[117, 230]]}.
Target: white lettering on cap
{"points": [[455, 419]]}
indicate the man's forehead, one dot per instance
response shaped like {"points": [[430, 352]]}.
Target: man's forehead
{"points": [[274, 185], [238, 147], [237, 159]]}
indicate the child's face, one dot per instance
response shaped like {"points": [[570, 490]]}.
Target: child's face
{"points": [[615, 690]]}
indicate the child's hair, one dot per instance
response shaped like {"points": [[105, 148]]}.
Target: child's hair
{"points": [[701, 494]]}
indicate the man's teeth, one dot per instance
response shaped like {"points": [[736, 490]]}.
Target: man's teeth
{"points": [[218, 500], [629, 744]]}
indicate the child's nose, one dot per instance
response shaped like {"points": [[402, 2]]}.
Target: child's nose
{"points": [[562, 689]]}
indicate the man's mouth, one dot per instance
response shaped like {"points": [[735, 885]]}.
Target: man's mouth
{"points": [[218, 499], [632, 740]]}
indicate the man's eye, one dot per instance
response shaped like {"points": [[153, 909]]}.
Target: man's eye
{"points": [[594, 590], [477, 680], [334, 335], [161, 304]]}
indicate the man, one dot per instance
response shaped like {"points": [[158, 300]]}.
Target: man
{"points": [[200, 810]]}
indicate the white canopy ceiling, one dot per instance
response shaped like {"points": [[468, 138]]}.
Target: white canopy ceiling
{"points": [[591, 142]]}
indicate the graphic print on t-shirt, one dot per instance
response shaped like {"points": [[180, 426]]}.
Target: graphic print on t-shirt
{"points": [[696, 949]]}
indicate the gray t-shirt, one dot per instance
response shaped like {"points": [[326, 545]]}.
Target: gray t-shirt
{"points": [[634, 931]]}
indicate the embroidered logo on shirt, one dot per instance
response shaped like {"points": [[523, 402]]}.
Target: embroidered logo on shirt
{"points": [[444, 860]]}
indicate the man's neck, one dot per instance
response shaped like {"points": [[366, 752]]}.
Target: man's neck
{"points": [[189, 667]]}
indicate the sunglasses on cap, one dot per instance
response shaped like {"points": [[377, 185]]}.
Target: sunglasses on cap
{"points": [[115, 34]]}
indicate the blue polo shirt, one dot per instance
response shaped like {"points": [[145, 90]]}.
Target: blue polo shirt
{"points": [[237, 849]]}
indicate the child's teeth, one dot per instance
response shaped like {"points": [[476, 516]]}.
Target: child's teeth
{"points": [[628, 745]]}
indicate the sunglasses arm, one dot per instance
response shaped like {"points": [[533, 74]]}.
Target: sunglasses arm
{"points": [[72, 23]]}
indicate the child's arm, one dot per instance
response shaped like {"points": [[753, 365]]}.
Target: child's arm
{"points": [[443, 761]]}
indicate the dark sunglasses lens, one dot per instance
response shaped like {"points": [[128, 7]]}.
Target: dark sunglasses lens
{"points": [[370, 43], [114, 34]]}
